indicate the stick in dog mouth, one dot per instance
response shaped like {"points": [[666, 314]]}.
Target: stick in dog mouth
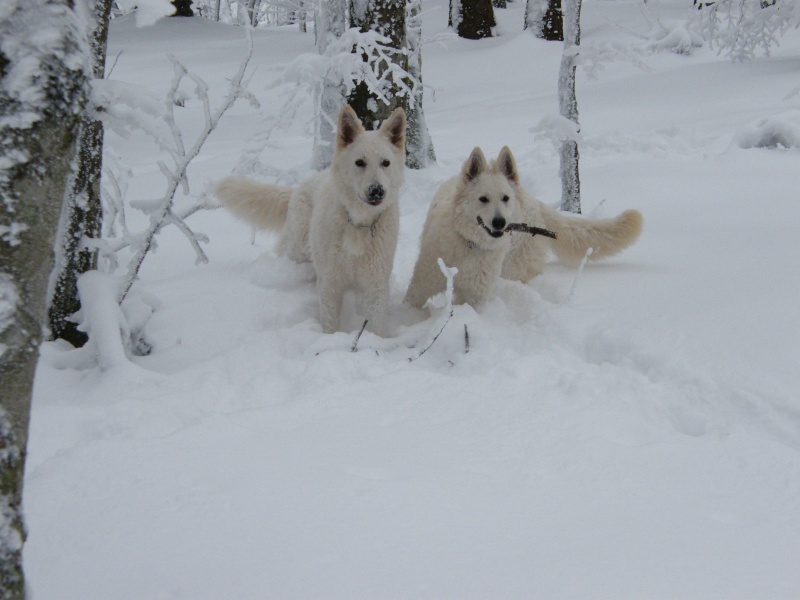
{"points": [[523, 227]]}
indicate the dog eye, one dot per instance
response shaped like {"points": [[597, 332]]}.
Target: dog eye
{"points": [[361, 163], [505, 198], [385, 163], [484, 199]]}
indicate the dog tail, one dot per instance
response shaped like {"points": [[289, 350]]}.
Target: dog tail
{"points": [[260, 204], [606, 237]]}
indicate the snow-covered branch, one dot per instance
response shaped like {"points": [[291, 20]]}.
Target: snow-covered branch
{"points": [[738, 28], [141, 111], [449, 273]]}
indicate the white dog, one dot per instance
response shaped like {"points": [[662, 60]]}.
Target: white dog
{"points": [[344, 220], [468, 227]]}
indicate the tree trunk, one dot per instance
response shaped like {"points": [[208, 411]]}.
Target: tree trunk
{"points": [[82, 215], [544, 18], [472, 19], [419, 145], [387, 17], [43, 90], [331, 22], [568, 107], [183, 8]]}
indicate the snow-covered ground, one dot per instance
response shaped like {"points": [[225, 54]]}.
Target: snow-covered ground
{"points": [[640, 441]]}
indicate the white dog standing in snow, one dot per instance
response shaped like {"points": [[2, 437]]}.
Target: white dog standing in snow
{"points": [[345, 220], [468, 227]]}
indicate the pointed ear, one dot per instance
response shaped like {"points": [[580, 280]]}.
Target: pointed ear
{"points": [[349, 127], [507, 165], [475, 165], [394, 128]]}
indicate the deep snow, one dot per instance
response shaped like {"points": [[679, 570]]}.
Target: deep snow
{"points": [[639, 441]]}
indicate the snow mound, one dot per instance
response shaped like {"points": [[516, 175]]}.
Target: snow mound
{"points": [[776, 131], [675, 37]]}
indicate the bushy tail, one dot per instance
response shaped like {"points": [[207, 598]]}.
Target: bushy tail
{"points": [[262, 205], [606, 237]]}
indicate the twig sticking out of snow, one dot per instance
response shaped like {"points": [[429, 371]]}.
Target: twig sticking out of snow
{"points": [[449, 273], [354, 347], [466, 339], [578, 274]]}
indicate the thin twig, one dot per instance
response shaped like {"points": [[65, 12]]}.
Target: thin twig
{"points": [[466, 339], [449, 273], [578, 274], [354, 347]]}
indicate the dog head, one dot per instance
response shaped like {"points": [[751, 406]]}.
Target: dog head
{"points": [[486, 200], [370, 164]]}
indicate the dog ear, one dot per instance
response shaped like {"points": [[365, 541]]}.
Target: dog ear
{"points": [[394, 128], [507, 165], [475, 165], [349, 127]]}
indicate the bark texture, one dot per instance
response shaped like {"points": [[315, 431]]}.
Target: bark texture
{"points": [[43, 87]]}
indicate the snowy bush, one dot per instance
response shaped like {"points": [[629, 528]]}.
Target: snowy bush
{"points": [[738, 28], [341, 64], [126, 108]]}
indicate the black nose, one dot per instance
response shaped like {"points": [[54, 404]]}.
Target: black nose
{"points": [[376, 192], [499, 223]]}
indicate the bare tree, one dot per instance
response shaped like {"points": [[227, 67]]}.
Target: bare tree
{"points": [[331, 22], [82, 211], [568, 107], [419, 145], [43, 89]]}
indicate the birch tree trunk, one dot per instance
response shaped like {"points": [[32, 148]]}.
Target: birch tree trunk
{"points": [[82, 215], [43, 88], [331, 23], [568, 107]]}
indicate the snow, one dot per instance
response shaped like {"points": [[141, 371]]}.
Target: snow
{"points": [[638, 441]]}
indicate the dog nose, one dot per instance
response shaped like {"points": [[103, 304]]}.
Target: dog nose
{"points": [[376, 192], [499, 223]]}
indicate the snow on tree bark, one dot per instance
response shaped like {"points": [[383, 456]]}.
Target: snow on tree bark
{"points": [[568, 106], [419, 145], [82, 210], [544, 18], [331, 23], [43, 88], [387, 18]]}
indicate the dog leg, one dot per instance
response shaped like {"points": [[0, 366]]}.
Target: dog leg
{"points": [[331, 292]]}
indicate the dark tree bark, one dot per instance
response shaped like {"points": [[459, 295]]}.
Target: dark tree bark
{"points": [[472, 19], [183, 8], [545, 19], [39, 129], [387, 17], [82, 215]]}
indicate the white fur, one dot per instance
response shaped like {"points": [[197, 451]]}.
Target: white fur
{"points": [[452, 232], [331, 220]]}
